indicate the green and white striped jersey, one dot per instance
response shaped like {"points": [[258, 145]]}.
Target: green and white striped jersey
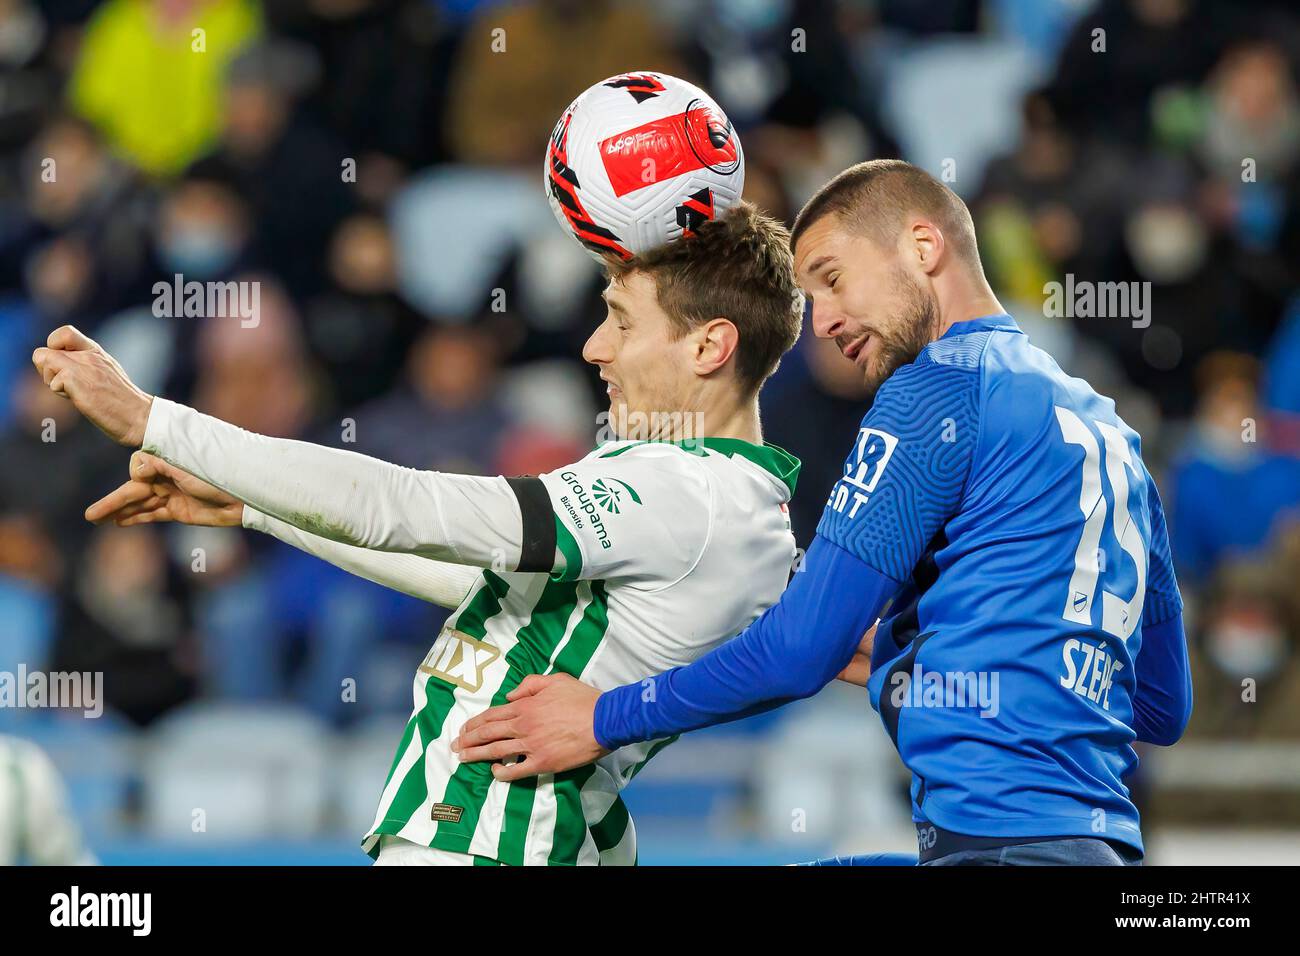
{"points": [[668, 550]]}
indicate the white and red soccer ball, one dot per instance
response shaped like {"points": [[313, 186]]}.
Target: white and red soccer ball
{"points": [[639, 160]]}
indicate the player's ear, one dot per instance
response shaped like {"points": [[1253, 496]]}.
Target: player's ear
{"points": [[716, 342], [928, 245]]}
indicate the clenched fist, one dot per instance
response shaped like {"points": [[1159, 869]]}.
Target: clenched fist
{"points": [[74, 366]]}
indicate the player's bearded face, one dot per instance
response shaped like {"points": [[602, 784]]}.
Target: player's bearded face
{"points": [[879, 315], [911, 325]]}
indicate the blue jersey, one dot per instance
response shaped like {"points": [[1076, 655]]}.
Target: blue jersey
{"points": [[1013, 504]]}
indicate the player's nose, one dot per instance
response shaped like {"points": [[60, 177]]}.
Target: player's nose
{"points": [[596, 350], [826, 322]]}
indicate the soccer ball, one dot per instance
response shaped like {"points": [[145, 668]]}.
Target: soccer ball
{"points": [[639, 160]]}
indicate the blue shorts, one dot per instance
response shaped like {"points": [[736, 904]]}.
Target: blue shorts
{"points": [[1071, 851]]}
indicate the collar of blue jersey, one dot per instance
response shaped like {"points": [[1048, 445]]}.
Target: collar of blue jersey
{"points": [[985, 323]]}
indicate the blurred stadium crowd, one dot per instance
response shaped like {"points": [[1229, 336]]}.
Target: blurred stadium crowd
{"points": [[375, 165]]}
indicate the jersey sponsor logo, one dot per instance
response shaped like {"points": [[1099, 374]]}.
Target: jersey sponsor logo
{"points": [[459, 659], [1089, 670], [870, 456], [611, 494], [446, 813], [582, 502]]}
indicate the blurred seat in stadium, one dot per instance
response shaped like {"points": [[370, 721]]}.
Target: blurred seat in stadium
{"points": [[468, 221], [1040, 26], [826, 770], [225, 772], [980, 80], [360, 770], [698, 786], [97, 758]]}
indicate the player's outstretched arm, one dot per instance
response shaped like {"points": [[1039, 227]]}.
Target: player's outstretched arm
{"points": [[438, 582], [344, 496], [159, 492], [336, 494]]}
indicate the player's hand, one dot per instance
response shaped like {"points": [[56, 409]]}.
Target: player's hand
{"points": [[547, 722], [74, 366], [159, 491], [859, 669]]}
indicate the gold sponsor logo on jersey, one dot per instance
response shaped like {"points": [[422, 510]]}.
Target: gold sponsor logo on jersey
{"points": [[446, 813], [459, 659]]}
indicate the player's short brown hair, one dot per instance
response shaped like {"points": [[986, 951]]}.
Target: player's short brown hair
{"points": [[876, 197], [737, 267]]}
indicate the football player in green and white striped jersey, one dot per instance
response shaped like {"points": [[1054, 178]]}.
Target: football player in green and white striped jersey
{"points": [[643, 555]]}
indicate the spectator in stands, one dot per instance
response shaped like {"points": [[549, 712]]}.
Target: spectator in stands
{"points": [[290, 171], [88, 212], [1230, 493], [1052, 205], [1245, 665], [518, 65], [1282, 383], [384, 69], [445, 415], [53, 467], [141, 80], [126, 615], [361, 329], [1122, 53]]}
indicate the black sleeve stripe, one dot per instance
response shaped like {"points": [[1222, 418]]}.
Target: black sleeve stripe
{"points": [[538, 552]]}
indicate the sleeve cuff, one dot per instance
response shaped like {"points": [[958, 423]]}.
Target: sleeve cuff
{"points": [[601, 719], [162, 415]]}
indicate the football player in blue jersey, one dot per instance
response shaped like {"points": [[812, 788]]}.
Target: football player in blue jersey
{"points": [[996, 511]]}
